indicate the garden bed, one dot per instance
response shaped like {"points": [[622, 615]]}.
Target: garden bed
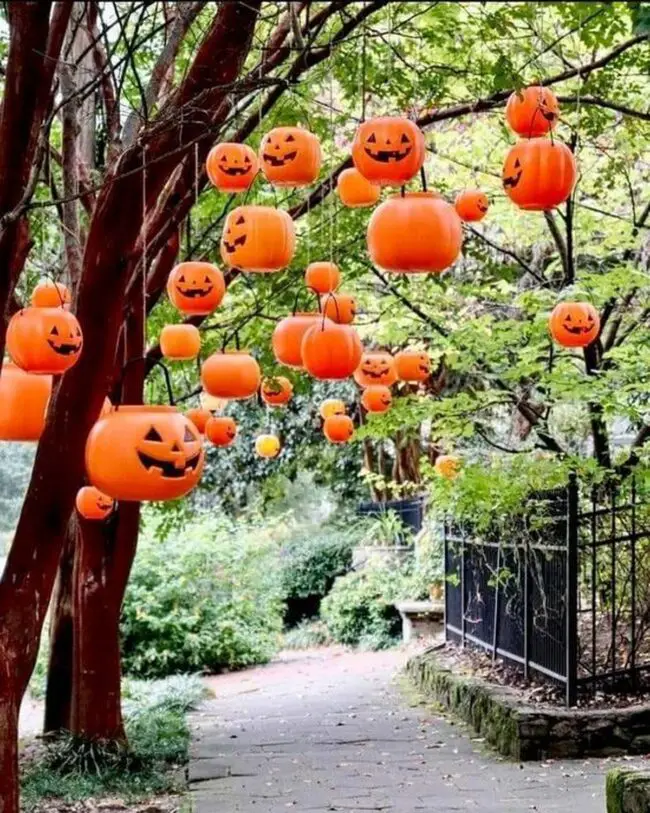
{"points": [[628, 792]]}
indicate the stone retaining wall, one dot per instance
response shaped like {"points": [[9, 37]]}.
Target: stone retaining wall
{"points": [[628, 792]]}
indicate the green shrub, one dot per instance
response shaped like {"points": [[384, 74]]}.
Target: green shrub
{"points": [[314, 557], [307, 634]]}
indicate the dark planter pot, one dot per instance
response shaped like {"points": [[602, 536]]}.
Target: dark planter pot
{"points": [[410, 511]]}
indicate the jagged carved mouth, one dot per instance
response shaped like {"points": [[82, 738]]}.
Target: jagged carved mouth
{"points": [[549, 115], [167, 467], [279, 160], [423, 369], [482, 207], [231, 247], [375, 373], [235, 170], [512, 180], [192, 293], [103, 506], [386, 156], [64, 349], [577, 330]]}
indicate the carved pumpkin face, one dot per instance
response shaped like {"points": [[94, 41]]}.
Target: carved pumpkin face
{"points": [[376, 368], [196, 288], [323, 277], [233, 375], [338, 428], [258, 238], [412, 365], [221, 431], [276, 390], [93, 504], [471, 205], [533, 111], [231, 167], [388, 150], [377, 398], [23, 403], [355, 191], [539, 174], [447, 466], [267, 446], [44, 341], [199, 417], [48, 294], [574, 324], [180, 342], [287, 337], [331, 406], [340, 308], [290, 156]]}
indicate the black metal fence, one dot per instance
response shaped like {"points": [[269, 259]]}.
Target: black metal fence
{"points": [[563, 592]]}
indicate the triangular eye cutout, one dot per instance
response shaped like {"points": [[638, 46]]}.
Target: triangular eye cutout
{"points": [[240, 221], [181, 278], [517, 163], [405, 139], [289, 138], [206, 278], [568, 318], [372, 139], [54, 331], [153, 434], [247, 159], [224, 158], [188, 437]]}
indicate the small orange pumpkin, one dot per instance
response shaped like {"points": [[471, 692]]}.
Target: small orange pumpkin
{"points": [[221, 431], [267, 445], [377, 398], [539, 174], [574, 324], [322, 277], [48, 294], [290, 156], [93, 504], [471, 205], [355, 191], [196, 288], [331, 351], [412, 365], [44, 341], [23, 403], [338, 428], [331, 406], [288, 335], [533, 111], [258, 238], [447, 466], [231, 167], [276, 390], [376, 368], [199, 417], [388, 150], [180, 342], [340, 308], [212, 403], [234, 375]]}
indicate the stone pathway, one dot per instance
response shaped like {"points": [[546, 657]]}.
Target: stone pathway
{"points": [[330, 730]]}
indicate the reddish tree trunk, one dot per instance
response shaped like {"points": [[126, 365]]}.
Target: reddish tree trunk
{"points": [[8, 751]]}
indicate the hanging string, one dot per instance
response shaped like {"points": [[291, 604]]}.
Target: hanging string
{"points": [[364, 37], [144, 250], [331, 157]]}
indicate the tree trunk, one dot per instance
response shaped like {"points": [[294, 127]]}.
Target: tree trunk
{"points": [[8, 750]]}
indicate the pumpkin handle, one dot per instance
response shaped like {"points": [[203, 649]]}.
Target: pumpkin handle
{"points": [[423, 175], [55, 281], [330, 295]]}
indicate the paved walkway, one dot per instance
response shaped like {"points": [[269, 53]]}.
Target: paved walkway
{"points": [[330, 731]]}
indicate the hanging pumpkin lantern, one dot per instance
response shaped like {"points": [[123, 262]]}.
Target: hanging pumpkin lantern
{"points": [[340, 308], [23, 403], [196, 288], [221, 431], [276, 390], [412, 365], [338, 428], [331, 351], [389, 150], [93, 504], [144, 453], [288, 335], [574, 324], [532, 111], [377, 398], [48, 294], [44, 341], [290, 156], [471, 205], [331, 406], [447, 466], [211, 403], [258, 238], [415, 234], [376, 368], [180, 342], [199, 417], [234, 375], [231, 167], [539, 174], [267, 445], [355, 191], [322, 277]]}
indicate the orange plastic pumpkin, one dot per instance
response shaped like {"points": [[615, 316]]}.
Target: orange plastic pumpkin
{"points": [[388, 150], [267, 445], [199, 417], [322, 277], [23, 403], [211, 403], [539, 174], [338, 428], [412, 365], [447, 466], [290, 156], [48, 294], [331, 406], [341, 308], [258, 238], [377, 398], [533, 111], [234, 375], [231, 167], [355, 191], [331, 351], [288, 335], [276, 390], [144, 453], [44, 341], [471, 205], [180, 342], [221, 431], [93, 504], [376, 368], [196, 288], [574, 324], [415, 234]]}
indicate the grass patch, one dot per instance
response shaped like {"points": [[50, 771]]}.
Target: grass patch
{"points": [[309, 633]]}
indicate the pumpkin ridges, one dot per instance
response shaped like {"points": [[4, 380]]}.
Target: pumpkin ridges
{"points": [[199, 417], [322, 277], [574, 324], [288, 335], [524, 111], [260, 239], [301, 170], [23, 403], [412, 365], [233, 375], [339, 307], [377, 398], [92, 504], [196, 288], [235, 155], [539, 174], [221, 431], [276, 390], [355, 191], [331, 406], [471, 205], [376, 368], [180, 342], [48, 294], [338, 428], [44, 341], [331, 351], [388, 133], [268, 446]]}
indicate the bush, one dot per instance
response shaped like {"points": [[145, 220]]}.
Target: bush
{"points": [[307, 634]]}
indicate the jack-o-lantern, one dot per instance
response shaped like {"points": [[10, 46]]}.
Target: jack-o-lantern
{"points": [[533, 111], [355, 191], [276, 390], [221, 431], [258, 238], [539, 174], [415, 234], [180, 342], [23, 403], [288, 335], [199, 417], [93, 504], [290, 156], [338, 428], [377, 398], [234, 375], [267, 445], [322, 278], [48, 294], [331, 406], [331, 351], [471, 205], [412, 365], [574, 324], [376, 368], [144, 453], [44, 341], [388, 150], [340, 308], [231, 167], [447, 466], [196, 288]]}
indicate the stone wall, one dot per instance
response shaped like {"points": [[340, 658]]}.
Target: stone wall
{"points": [[628, 792]]}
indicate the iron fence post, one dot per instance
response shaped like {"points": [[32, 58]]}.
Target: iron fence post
{"points": [[445, 554], [572, 591], [462, 589]]}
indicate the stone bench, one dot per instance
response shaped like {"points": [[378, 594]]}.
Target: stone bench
{"points": [[420, 618], [628, 791]]}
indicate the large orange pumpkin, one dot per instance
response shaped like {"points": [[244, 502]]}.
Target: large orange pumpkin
{"points": [[447, 466], [355, 191], [414, 234], [331, 406], [48, 294], [533, 111], [258, 238], [199, 417], [412, 365], [331, 351], [338, 428], [231, 167], [44, 341], [196, 288], [23, 403], [221, 431], [180, 342], [267, 445], [234, 375], [276, 390], [376, 368], [539, 174], [93, 504], [290, 156], [377, 398], [471, 205], [287, 337], [574, 324], [388, 150], [339, 307], [322, 277], [144, 453]]}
